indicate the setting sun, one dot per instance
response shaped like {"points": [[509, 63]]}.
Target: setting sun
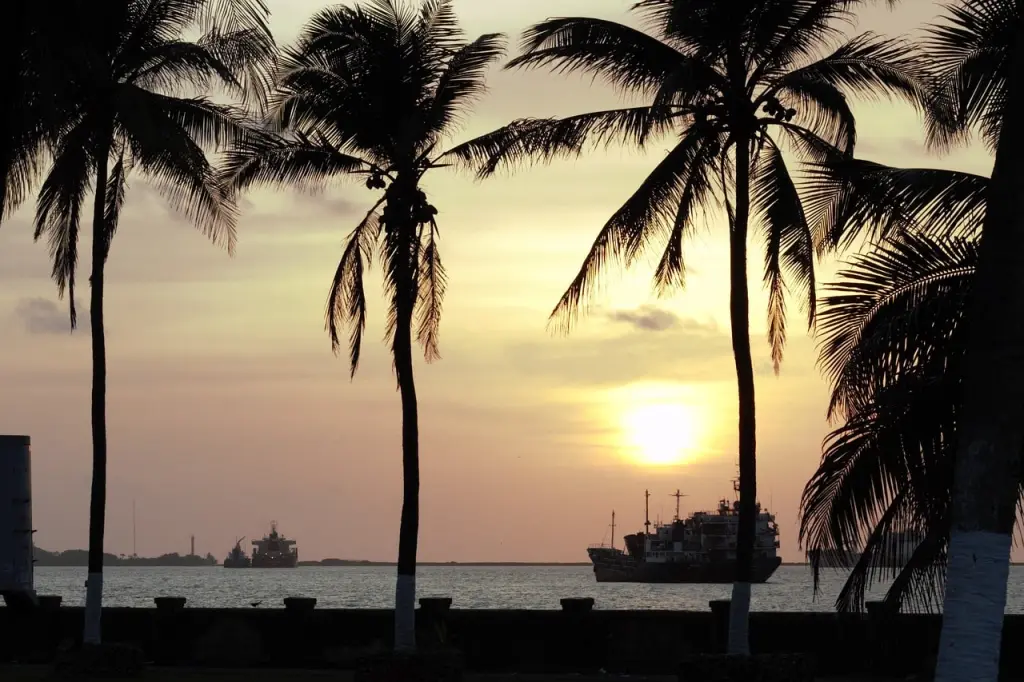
{"points": [[660, 434]]}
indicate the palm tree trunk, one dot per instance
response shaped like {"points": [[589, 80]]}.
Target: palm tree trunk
{"points": [[98, 500], [408, 534], [739, 317], [988, 459]]}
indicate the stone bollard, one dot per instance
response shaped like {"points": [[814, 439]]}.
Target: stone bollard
{"points": [[577, 605], [299, 640], [168, 647], [577, 651], [433, 620], [880, 619], [299, 604], [719, 625]]}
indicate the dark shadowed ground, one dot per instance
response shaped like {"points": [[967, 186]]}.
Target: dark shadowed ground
{"points": [[37, 673]]}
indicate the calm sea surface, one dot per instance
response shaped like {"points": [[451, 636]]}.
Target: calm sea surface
{"points": [[514, 587]]}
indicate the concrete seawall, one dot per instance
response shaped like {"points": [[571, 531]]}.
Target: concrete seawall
{"points": [[577, 638]]}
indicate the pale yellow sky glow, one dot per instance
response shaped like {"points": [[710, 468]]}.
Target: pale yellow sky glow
{"points": [[227, 408]]}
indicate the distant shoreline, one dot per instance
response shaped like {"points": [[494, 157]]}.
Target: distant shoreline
{"points": [[77, 558], [80, 557], [495, 564]]}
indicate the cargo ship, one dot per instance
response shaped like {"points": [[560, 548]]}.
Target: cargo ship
{"points": [[274, 551], [698, 549]]}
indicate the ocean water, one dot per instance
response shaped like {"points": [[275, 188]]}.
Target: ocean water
{"points": [[511, 587]]}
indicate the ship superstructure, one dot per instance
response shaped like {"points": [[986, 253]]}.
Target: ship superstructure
{"points": [[274, 551], [698, 549]]}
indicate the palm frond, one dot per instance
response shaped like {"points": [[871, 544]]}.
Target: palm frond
{"points": [[626, 57], [211, 126], [698, 194], [180, 66], [794, 30], [808, 143], [440, 23], [702, 28], [868, 66], [462, 81], [646, 215], [822, 108], [117, 185], [849, 199], [250, 55], [881, 475], [894, 308], [346, 302], [161, 133], [544, 139], [272, 160], [789, 244], [970, 50], [59, 205], [432, 286]]}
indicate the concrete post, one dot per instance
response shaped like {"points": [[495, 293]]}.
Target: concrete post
{"points": [[16, 516]]}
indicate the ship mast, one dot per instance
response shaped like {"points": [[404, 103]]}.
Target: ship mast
{"points": [[647, 512], [677, 495], [613, 529]]}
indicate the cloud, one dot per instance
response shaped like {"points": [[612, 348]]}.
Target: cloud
{"points": [[646, 318], [43, 316], [687, 351]]}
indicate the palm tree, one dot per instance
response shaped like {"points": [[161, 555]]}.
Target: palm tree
{"points": [[981, 72], [974, 63], [132, 112], [374, 92], [732, 84], [893, 337]]}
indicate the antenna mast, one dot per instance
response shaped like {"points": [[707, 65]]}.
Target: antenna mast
{"points": [[677, 495], [647, 512]]}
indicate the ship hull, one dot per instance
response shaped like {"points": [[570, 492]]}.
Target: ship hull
{"points": [[275, 562], [627, 570]]}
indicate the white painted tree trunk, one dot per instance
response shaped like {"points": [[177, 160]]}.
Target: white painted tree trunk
{"points": [[93, 608], [972, 625], [739, 620], [405, 613]]}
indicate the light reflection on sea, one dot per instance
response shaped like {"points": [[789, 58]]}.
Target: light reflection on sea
{"points": [[471, 587]]}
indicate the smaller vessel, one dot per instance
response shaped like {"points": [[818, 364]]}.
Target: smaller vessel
{"points": [[898, 548], [236, 557], [274, 551]]}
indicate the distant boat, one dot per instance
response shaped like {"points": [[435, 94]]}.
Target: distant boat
{"points": [[274, 551], [698, 549], [236, 557]]}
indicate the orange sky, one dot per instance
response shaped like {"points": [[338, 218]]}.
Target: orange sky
{"points": [[227, 408]]}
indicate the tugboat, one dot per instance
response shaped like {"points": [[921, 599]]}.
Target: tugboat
{"points": [[236, 557], [274, 551], [698, 549]]}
